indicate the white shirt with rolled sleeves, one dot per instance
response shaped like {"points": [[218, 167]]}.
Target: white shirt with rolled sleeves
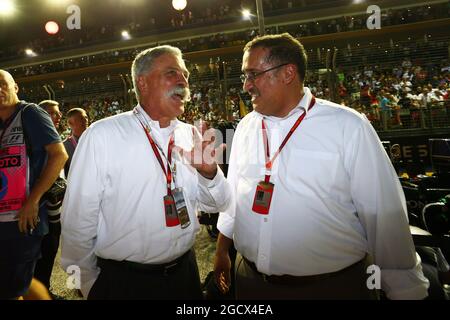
{"points": [[113, 207], [336, 197]]}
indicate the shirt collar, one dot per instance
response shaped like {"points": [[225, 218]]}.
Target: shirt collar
{"points": [[12, 116], [302, 106], [154, 125]]}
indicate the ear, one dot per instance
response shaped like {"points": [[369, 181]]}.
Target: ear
{"points": [[142, 84], [290, 73], [16, 88]]}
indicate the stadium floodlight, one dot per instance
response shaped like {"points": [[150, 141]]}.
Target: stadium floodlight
{"points": [[358, 1], [7, 7], [246, 14], [29, 52], [179, 4], [51, 27], [125, 35]]}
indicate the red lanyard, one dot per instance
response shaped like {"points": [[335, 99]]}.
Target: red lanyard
{"points": [[269, 162], [168, 172]]}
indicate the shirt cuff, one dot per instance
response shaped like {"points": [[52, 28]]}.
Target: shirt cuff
{"points": [[408, 284], [216, 190], [211, 183]]}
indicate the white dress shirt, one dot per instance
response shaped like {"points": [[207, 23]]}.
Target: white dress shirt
{"points": [[113, 207], [336, 197]]}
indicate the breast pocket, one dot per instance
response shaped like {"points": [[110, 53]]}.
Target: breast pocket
{"points": [[311, 173]]}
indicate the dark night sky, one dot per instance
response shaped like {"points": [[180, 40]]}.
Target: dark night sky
{"points": [[31, 15]]}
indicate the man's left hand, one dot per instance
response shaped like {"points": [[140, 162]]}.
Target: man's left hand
{"points": [[203, 155]]}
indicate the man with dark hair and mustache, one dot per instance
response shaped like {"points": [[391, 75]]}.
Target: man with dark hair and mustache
{"points": [[136, 182], [316, 198]]}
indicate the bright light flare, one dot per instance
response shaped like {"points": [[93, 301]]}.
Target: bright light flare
{"points": [[246, 14], [7, 8], [125, 35], [179, 4], [30, 53], [51, 27]]}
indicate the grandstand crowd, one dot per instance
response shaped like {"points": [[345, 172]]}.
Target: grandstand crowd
{"points": [[397, 97], [389, 17], [397, 84]]}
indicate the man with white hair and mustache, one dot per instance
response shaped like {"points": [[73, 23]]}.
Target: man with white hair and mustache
{"points": [[129, 214]]}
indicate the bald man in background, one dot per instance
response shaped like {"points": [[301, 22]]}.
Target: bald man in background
{"points": [[31, 157]]}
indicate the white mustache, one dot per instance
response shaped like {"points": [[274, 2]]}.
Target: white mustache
{"points": [[183, 91]]}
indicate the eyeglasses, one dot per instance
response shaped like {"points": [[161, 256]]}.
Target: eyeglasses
{"points": [[251, 76]]}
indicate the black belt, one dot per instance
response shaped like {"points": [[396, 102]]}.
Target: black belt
{"points": [[164, 268], [300, 280]]}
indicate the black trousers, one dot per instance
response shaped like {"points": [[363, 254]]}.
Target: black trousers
{"points": [[120, 281], [49, 249], [349, 284]]}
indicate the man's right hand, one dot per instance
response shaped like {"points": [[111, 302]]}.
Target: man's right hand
{"points": [[28, 216], [222, 267]]}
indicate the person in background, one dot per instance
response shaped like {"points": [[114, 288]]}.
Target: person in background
{"points": [[37, 291], [78, 121], [50, 242], [32, 157]]}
